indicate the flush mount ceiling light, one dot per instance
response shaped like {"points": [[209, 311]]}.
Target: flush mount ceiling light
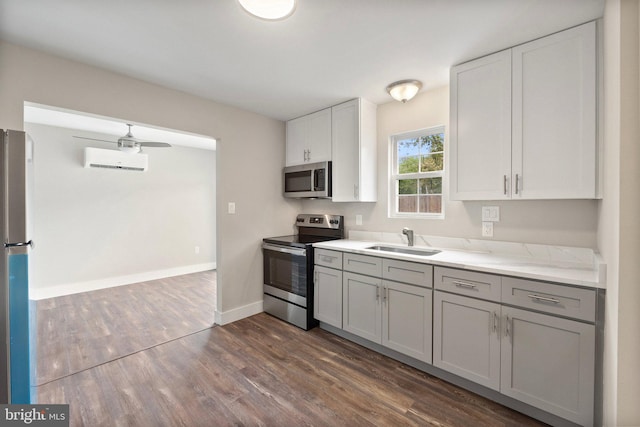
{"points": [[269, 9], [404, 90]]}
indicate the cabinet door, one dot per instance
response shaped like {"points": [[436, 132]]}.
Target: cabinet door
{"points": [[345, 136], [548, 362], [297, 137], [361, 306], [327, 296], [406, 319], [466, 338], [319, 144], [554, 116], [480, 149]]}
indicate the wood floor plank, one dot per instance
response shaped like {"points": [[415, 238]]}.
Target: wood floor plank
{"points": [[258, 371]]}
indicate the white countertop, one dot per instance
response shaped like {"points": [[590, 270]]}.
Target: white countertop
{"points": [[574, 266]]}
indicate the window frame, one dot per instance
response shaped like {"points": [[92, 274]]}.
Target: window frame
{"points": [[395, 177]]}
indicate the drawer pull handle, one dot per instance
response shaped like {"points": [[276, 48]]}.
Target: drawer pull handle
{"points": [[327, 258], [362, 262], [467, 285], [546, 299]]}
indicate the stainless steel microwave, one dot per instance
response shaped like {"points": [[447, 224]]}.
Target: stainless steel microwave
{"points": [[308, 181]]}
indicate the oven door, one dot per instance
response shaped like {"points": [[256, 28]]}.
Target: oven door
{"points": [[286, 273]]}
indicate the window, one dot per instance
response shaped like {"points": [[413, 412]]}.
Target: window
{"points": [[417, 169]]}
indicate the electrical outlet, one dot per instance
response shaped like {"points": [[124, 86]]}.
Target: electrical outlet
{"points": [[358, 219], [197, 250], [487, 229], [232, 207]]}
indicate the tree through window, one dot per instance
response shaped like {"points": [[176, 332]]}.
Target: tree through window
{"points": [[417, 172]]}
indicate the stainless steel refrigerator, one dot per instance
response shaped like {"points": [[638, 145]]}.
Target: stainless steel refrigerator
{"points": [[16, 350]]}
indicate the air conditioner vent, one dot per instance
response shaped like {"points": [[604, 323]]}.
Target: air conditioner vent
{"points": [[115, 159]]}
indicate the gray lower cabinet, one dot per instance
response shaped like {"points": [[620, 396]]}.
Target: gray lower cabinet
{"points": [[535, 357], [327, 295], [548, 362], [466, 338], [396, 315], [361, 307]]}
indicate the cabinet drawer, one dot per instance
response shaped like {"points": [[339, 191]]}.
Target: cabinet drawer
{"points": [[363, 264], [328, 258], [408, 272], [470, 283], [550, 298]]}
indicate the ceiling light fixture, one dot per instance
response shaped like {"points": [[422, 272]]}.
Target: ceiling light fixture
{"points": [[404, 90], [269, 9]]}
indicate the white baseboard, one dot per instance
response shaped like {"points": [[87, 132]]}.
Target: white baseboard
{"points": [[110, 282], [230, 316]]}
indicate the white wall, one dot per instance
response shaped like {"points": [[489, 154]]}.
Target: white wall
{"points": [[100, 227], [250, 152], [618, 228], [567, 223]]}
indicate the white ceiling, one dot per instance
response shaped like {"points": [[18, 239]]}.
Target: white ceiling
{"points": [[327, 52]]}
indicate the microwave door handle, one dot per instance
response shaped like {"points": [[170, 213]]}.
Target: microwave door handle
{"points": [[315, 180]]}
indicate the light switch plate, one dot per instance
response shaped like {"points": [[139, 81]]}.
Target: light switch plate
{"points": [[491, 213], [232, 207], [358, 219]]}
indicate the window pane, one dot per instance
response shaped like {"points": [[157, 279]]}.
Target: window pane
{"points": [[407, 186], [431, 163], [431, 186], [430, 204], [432, 143], [408, 155], [407, 203]]}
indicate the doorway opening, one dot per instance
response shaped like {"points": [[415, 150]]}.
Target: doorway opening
{"points": [[97, 229]]}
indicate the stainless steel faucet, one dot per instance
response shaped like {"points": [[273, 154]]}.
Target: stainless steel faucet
{"points": [[409, 233]]}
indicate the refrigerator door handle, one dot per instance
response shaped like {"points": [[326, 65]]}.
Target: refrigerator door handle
{"points": [[18, 244]]}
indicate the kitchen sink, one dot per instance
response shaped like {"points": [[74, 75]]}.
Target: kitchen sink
{"points": [[408, 251]]}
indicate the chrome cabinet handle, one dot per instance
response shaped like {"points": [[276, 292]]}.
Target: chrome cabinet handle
{"points": [[385, 294], [507, 331], [546, 299], [328, 258], [517, 182], [355, 191], [467, 285], [315, 277], [495, 321], [504, 184], [377, 293]]}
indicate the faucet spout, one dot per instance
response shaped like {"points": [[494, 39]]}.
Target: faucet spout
{"points": [[409, 233]]}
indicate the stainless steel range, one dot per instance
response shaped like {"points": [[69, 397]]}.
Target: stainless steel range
{"points": [[288, 268]]}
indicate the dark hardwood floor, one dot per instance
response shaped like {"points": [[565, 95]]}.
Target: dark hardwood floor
{"points": [[79, 331], [261, 371]]}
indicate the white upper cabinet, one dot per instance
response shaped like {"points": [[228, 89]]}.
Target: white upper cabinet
{"points": [[480, 159], [309, 138], [353, 144], [523, 121]]}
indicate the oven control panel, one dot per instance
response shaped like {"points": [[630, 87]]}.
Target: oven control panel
{"points": [[320, 221]]}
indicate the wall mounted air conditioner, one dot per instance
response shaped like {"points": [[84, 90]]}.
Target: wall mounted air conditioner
{"points": [[114, 159]]}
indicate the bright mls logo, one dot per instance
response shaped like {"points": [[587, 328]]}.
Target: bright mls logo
{"points": [[34, 415]]}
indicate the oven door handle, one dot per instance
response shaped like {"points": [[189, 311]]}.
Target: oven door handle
{"points": [[292, 251]]}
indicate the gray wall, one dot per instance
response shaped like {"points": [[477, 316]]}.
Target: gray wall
{"points": [[100, 226], [561, 222], [250, 153]]}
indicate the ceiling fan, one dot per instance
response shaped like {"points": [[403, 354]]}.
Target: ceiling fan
{"points": [[128, 143]]}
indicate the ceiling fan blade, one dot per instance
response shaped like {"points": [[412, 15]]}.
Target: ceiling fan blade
{"points": [[153, 144], [95, 139]]}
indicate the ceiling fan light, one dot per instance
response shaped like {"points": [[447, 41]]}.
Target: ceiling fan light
{"points": [[269, 9], [404, 90]]}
